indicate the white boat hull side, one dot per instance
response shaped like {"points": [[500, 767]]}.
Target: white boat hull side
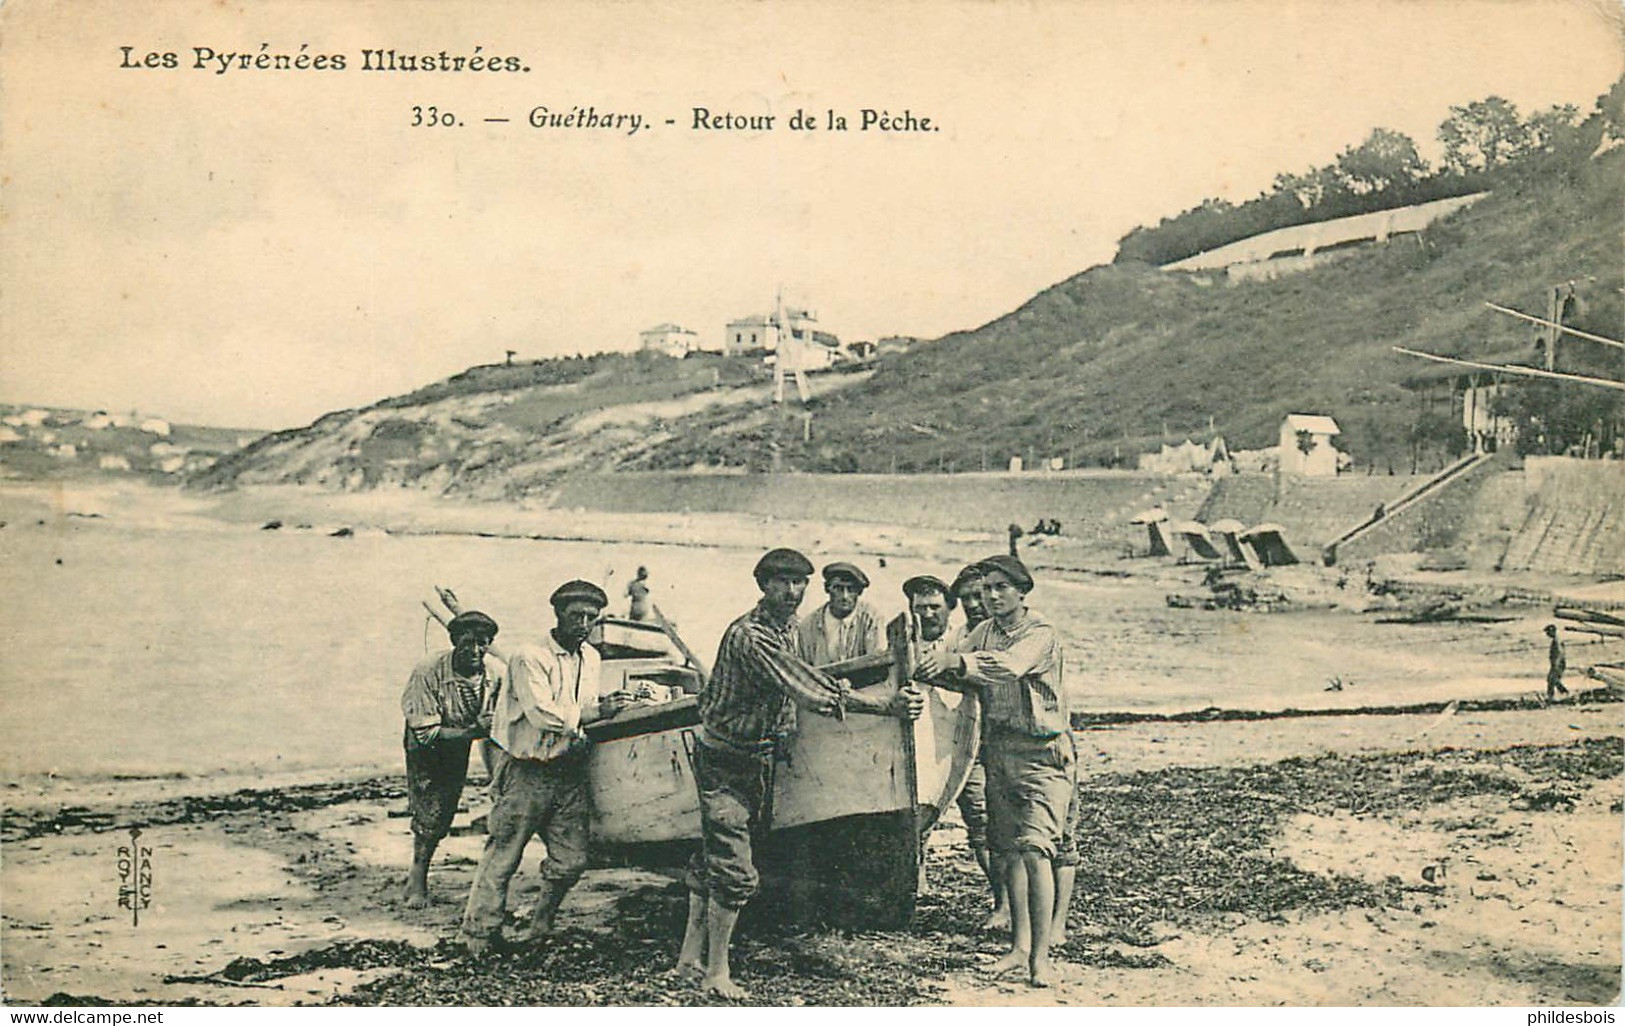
{"points": [[946, 738], [643, 790]]}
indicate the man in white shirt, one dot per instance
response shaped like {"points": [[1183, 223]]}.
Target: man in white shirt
{"points": [[843, 628], [538, 768]]}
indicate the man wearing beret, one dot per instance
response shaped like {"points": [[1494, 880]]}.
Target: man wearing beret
{"points": [[447, 707], [967, 588], [1014, 661], [538, 771], [845, 627], [744, 713]]}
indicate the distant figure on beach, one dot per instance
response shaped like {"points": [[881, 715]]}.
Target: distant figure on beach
{"points": [[447, 705], [845, 627], [1015, 536], [539, 767], [744, 709], [1557, 661], [638, 592], [1015, 663]]}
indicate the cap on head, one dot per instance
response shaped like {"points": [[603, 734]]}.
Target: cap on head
{"points": [[471, 622], [579, 591], [925, 584], [1011, 567], [846, 571], [972, 572], [1551, 628], [782, 563]]}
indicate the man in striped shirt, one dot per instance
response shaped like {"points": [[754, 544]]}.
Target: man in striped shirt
{"points": [[447, 707], [745, 709]]}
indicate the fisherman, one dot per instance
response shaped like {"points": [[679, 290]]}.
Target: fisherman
{"points": [[447, 705], [1014, 661], [929, 603], [1557, 661], [638, 592], [538, 772], [743, 716], [967, 588], [843, 628]]}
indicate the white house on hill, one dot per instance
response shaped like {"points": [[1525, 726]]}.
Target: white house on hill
{"points": [[1306, 445], [674, 340]]}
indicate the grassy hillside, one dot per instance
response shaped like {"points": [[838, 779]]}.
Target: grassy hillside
{"points": [[1097, 365], [1096, 369]]}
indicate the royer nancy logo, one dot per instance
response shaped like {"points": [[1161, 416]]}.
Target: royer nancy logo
{"points": [[134, 876]]}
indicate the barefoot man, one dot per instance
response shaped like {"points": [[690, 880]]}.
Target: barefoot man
{"points": [[447, 708], [1014, 661], [967, 589], [539, 768], [744, 711]]}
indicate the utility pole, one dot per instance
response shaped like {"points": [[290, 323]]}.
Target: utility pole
{"points": [[1557, 302]]}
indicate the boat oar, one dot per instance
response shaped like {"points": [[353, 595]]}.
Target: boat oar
{"points": [[688, 653], [445, 621]]}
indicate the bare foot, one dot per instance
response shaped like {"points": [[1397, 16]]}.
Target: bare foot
{"points": [[478, 947], [998, 919], [1014, 960], [724, 987], [416, 896], [1057, 935], [1043, 972], [688, 970]]}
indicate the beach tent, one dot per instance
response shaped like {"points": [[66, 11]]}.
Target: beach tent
{"points": [[1155, 520], [1198, 542], [1228, 533], [1268, 542]]}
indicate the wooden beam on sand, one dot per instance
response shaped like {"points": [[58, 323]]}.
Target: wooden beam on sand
{"points": [[1531, 372]]}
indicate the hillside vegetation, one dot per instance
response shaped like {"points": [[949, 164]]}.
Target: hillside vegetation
{"points": [[1096, 369]]}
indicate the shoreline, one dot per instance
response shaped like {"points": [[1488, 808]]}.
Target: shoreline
{"points": [[1416, 835]]}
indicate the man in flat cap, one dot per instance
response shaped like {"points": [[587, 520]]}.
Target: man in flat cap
{"points": [[744, 714], [538, 771], [972, 801], [447, 705], [1014, 661], [845, 627]]}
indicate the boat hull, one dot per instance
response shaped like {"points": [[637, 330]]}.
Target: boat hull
{"points": [[851, 799]]}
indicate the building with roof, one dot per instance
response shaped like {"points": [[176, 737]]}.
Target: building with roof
{"points": [[1306, 445], [674, 340]]}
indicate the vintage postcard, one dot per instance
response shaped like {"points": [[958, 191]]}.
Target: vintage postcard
{"points": [[963, 503]]}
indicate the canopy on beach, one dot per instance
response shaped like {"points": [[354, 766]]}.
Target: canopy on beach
{"points": [[1155, 520], [1268, 542], [1198, 542]]}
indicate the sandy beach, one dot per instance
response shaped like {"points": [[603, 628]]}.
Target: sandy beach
{"points": [[1286, 846]]}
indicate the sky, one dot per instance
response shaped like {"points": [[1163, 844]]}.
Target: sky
{"points": [[259, 247]]}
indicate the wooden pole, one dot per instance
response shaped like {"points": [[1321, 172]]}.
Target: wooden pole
{"points": [[1525, 371], [1565, 329]]}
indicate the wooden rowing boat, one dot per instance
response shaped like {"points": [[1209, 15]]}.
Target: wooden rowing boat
{"points": [[851, 797]]}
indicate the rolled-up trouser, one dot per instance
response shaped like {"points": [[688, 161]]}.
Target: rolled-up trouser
{"points": [[973, 803], [1030, 783], [1067, 853], [529, 798], [434, 784], [735, 795]]}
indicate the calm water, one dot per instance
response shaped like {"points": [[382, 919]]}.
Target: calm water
{"points": [[196, 650]]}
